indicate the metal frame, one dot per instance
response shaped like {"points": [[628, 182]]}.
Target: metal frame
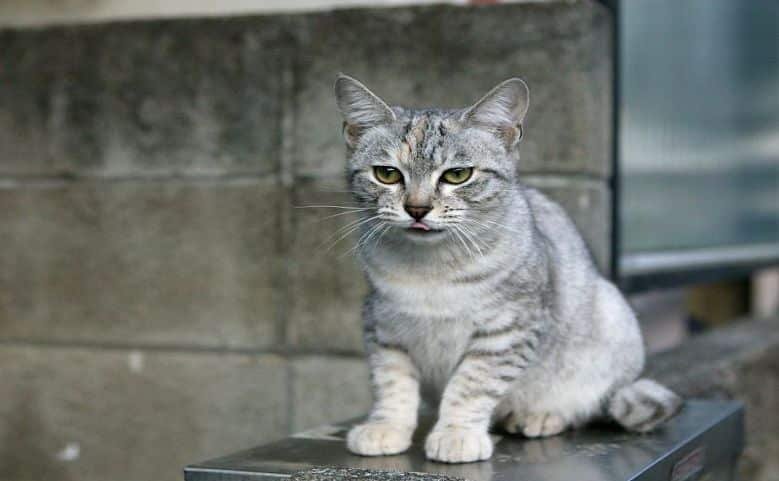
{"points": [[648, 270]]}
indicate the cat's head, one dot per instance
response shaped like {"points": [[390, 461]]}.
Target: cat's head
{"points": [[432, 174]]}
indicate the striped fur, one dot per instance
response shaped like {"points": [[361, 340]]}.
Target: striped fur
{"points": [[499, 314]]}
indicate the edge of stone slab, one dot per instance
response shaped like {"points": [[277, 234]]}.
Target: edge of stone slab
{"points": [[700, 359]]}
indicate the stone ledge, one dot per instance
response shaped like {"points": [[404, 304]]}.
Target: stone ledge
{"points": [[739, 362]]}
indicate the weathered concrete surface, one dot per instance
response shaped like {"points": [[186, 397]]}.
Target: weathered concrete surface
{"points": [[739, 362], [199, 97], [208, 96], [450, 56], [141, 263], [92, 415], [328, 389]]}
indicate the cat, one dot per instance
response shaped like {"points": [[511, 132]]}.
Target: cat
{"points": [[483, 296]]}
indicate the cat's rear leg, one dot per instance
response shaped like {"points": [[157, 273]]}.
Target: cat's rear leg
{"points": [[643, 405], [534, 425]]}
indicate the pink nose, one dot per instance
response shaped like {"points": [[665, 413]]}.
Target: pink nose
{"points": [[417, 211]]}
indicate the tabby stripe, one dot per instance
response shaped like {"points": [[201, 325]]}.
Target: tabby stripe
{"points": [[478, 353], [391, 346], [475, 393], [477, 277], [524, 359], [495, 173], [658, 414], [495, 332], [509, 363], [628, 408], [352, 174]]}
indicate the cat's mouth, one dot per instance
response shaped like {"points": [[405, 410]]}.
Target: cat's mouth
{"points": [[420, 228]]}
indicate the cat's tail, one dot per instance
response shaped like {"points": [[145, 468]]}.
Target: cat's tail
{"points": [[643, 405]]}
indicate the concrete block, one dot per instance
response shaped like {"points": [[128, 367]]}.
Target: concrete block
{"points": [[450, 56], [93, 414], [328, 389], [326, 285], [158, 263], [143, 98], [588, 203]]}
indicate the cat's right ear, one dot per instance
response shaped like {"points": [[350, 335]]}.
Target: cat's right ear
{"points": [[360, 107]]}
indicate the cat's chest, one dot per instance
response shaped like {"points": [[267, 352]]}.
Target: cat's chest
{"points": [[435, 298], [435, 345], [432, 318]]}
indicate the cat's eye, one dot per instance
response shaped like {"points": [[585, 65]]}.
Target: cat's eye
{"points": [[387, 175], [458, 175]]}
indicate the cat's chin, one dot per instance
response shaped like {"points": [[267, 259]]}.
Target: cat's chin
{"points": [[424, 236]]}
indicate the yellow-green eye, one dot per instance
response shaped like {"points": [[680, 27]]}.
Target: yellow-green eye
{"points": [[387, 175], [458, 175]]}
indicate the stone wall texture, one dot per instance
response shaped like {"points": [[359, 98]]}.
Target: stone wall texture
{"points": [[162, 297]]}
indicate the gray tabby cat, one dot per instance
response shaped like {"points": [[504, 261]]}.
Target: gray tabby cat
{"points": [[483, 293]]}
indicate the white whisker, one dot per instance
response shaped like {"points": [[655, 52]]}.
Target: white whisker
{"points": [[456, 232], [348, 229], [473, 237], [330, 207]]}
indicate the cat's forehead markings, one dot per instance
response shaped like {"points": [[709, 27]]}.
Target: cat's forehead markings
{"points": [[413, 139], [416, 133], [405, 152]]}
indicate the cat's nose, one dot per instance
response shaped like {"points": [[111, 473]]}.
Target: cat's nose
{"points": [[417, 211]]}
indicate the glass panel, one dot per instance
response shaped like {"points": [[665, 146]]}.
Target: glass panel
{"points": [[700, 124]]}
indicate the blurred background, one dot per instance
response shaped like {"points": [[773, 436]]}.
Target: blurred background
{"points": [[162, 298]]}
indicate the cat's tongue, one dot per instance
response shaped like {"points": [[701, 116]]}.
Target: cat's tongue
{"points": [[419, 225]]}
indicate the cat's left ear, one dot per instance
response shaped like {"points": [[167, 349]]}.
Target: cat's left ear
{"points": [[502, 110]]}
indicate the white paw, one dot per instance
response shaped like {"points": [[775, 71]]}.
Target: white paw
{"points": [[458, 445], [543, 424], [378, 439]]}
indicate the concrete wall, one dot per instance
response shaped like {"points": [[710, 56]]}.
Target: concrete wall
{"points": [[161, 299]]}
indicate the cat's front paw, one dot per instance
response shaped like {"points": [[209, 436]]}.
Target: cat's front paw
{"points": [[378, 439], [458, 445]]}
